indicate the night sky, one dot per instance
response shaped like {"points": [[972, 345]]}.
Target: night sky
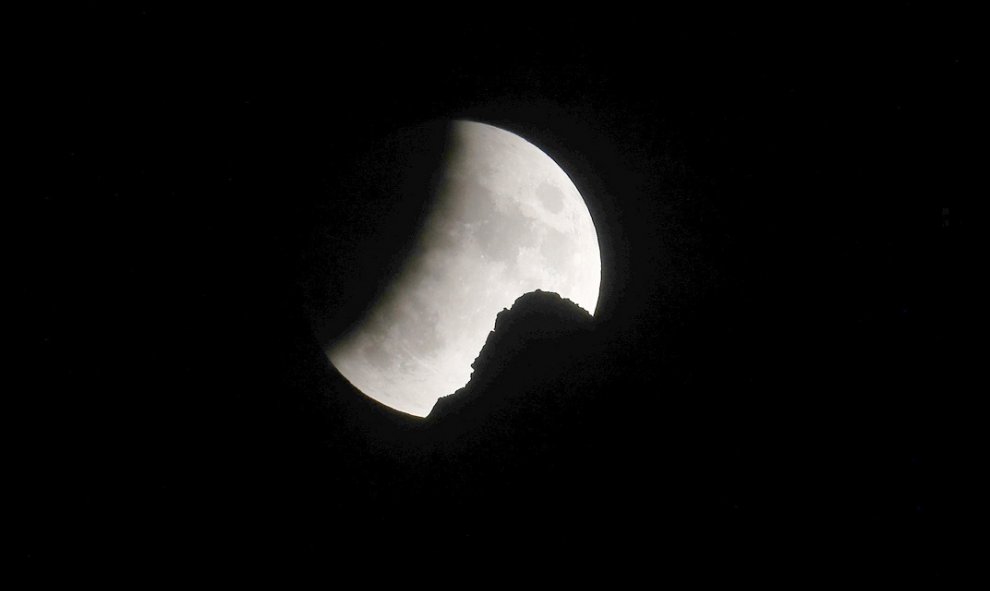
{"points": [[781, 201]]}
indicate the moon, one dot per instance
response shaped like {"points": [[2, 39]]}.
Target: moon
{"points": [[505, 220]]}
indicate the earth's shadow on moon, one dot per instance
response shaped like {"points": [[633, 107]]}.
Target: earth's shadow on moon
{"points": [[378, 209], [363, 234]]}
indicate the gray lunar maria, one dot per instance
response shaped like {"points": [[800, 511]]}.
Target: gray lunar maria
{"points": [[506, 220]]}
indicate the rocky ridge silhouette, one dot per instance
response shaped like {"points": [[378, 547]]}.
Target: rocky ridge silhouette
{"points": [[539, 336]]}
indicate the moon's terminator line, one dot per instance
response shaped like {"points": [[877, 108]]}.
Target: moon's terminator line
{"points": [[505, 220]]}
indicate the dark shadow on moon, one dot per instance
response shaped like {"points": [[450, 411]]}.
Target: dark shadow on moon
{"points": [[394, 206], [377, 209]]}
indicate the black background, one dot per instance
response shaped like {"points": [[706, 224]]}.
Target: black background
{"points": [[780, 202]]}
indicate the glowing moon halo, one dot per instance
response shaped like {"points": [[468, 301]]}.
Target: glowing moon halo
{"points": [[505, 220]]}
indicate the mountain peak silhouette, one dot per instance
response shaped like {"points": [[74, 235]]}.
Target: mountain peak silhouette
{"points": [[539, 337]]}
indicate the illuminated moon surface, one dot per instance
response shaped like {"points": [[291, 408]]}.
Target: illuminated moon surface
{"points": [[505, 220]]}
